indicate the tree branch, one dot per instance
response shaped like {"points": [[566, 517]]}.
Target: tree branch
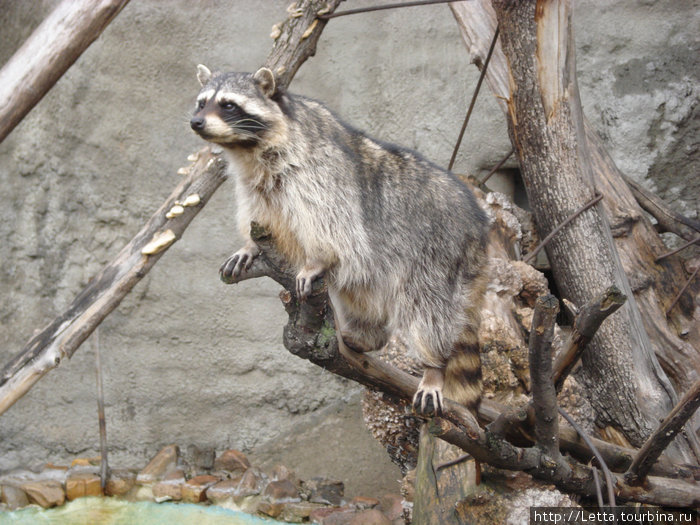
{"points": [[663, 435], [669, 220], [62, 337], [586, 323], [48, 53], [544, 396], [310, 334]]}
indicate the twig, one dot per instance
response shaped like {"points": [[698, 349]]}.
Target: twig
{"points": [[606, 471], [681, 248], [586, 323], [668, 219], [381, 7], [497, 167], [544, 396], [531, 256], [663, 435], [473, 100], [680, 294], [104, 465]]}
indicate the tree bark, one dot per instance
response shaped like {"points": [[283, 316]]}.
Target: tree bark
{"points": [[532, 73], [48, 53]]}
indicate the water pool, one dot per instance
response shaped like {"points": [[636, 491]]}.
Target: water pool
{"points": [[108, 511]]}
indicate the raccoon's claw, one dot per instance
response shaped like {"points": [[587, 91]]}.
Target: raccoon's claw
{"points": [[238, 262], [428, 402], [305, 281]]}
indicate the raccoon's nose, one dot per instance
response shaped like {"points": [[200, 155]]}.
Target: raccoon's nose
{"points": [[197, 123]]}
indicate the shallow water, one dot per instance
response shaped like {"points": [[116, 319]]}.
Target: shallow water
{"points": [[108, 511]]}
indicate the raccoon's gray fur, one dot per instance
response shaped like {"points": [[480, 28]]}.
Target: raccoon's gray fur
{"points": [[401, 242]]}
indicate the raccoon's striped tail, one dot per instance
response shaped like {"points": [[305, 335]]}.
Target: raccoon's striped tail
{"points": [[463, 382]]}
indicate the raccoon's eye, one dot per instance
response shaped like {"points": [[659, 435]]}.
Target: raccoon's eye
{"points": [[228, 105], [201, 104]]}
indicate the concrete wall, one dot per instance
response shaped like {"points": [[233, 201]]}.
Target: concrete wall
{"points": [[187, 359]]}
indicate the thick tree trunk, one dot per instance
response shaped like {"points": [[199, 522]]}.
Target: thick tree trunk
{"points": [[535, 81], [48, 53]]}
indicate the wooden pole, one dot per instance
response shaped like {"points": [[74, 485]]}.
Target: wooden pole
{"points": [[51, 49]]}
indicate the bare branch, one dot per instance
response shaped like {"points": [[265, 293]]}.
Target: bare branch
{"points": [[544, 396], [64, 335], [586, 323], [663, 435], [668, 219], [48, 53]]}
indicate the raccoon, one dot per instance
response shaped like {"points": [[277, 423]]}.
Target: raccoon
{"points": [[400, 241]]}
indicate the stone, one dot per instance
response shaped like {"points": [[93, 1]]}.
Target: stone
{"points": [[81, 484], [232, 461], [323, 490], [195, 489], [251, 483], [332, 516], [163, 463], [222, 491], [298, 512], [392, 506], [370, 517], [13, 497], [119, 482], [283, 491], [170, 488], [270, 509], [281, 472], [200, 459], [45, 493], [86, 462], [364, 503]]}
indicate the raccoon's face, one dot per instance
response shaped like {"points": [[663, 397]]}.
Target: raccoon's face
{"points": [[235, 109]]}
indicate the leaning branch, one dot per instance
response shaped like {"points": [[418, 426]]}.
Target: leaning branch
{"points": [[61, 338], [662, 436], [48, 53], [668, 219]]}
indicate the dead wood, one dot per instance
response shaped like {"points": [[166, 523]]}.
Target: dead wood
{"points": [[663, 435], [587, 321], [48, 53], [544, 396], [622, 351], [318, 343], [62, 337]]}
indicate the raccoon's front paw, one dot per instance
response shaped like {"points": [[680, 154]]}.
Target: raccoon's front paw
{"points": [[428, 400], [239, 261], [305, 280]]}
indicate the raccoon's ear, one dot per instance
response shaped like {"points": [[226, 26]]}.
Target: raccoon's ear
{"points": [[266, 80], [203, 74]]}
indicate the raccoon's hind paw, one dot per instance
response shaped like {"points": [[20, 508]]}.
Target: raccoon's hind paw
{"points": [[238, 262], [305, 280], [428, 400]]}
